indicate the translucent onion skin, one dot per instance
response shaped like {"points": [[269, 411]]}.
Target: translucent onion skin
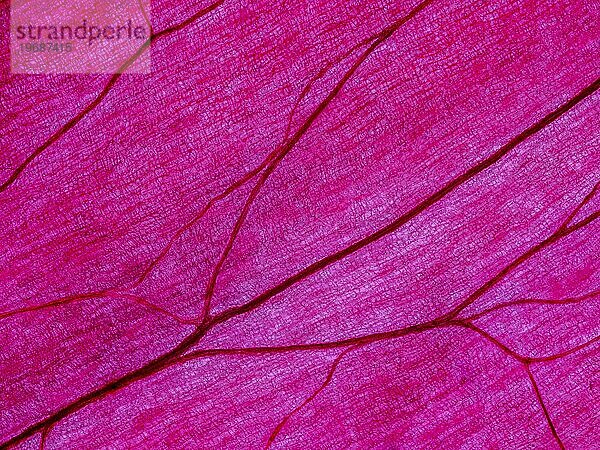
{"points": [[313, 225]]}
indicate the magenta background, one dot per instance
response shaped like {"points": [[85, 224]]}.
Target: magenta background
{"points": [[154, 172]]}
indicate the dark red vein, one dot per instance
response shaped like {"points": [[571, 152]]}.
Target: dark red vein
{"points": [[584, 202], [568, 352], [146, 18], [43, 437], [526, 362], [541, 402], [377, 337], [176, 356], [59, 302], [142, 301], [532, 301], [493, 340], [205, 313], [320, 389], [240, 182], [318, 346], [190, 20], [523, 359], [106, 294]]}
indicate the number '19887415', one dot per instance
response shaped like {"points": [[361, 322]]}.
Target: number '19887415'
{"points": [[34, 47]]}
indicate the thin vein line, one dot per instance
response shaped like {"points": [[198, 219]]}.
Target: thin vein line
{"points": [[106, 294], [523, 359], [320, 389], [43, 438], [568, 352], [533, 301], [541, 402], [584, 202]]}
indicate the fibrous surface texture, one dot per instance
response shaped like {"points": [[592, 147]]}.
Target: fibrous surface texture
{"points": [[313, 225]]}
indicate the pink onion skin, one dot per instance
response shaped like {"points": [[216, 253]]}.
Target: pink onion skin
{"points": [[471, 324]]}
